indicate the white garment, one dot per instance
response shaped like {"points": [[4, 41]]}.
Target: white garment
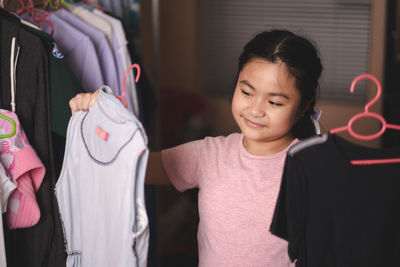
{"points": [[100, 191], [95, 21], [120, 44], [6, 188]]}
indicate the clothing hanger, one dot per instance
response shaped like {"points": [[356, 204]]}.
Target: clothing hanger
{"points": [[61, 3], [38, 15], [122, 96], [5, 7], [87, 5], [94, 5], [364, 114], [50, 4], [13, 124]]}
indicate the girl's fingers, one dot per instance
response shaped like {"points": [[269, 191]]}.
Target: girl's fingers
{"points": [[85, 102], [74, 103], [82, 101], [93, 98]]}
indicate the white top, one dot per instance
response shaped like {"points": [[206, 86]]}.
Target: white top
{"points": [[100, 191], [7, 186]]}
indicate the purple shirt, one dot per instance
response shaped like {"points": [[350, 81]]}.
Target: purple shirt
{"points": [[79, 51], [103, 49]]}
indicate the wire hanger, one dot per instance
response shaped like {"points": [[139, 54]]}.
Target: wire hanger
{"points": [[122, 96], [367, 113]]}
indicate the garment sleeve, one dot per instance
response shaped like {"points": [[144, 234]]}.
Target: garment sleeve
{"points": [[183, 164], [290, 211]]}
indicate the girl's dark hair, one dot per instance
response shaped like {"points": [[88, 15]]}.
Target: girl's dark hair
{"points": [[302, 61]]}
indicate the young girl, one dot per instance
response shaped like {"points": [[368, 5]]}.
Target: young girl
{"points": [[239, 175]]}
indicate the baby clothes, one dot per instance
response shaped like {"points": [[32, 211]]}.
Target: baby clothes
{"points": [[26, 170], [6, 188], [100, 191]]}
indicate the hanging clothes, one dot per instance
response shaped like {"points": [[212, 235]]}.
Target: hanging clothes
{"points": [[79, 51], [114, 32], [115, 7], [7, 187], [63, 83], [27, 172], [45, 84], [100, 191], [95, 21], [123, 60], [37, 246], [103, 50], [337, 214]]}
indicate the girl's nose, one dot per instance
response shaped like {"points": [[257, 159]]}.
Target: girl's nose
{"points": [[257, 109]]}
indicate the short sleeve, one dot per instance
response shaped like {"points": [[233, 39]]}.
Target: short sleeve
{"points": [[290, 211], [183, 164]]}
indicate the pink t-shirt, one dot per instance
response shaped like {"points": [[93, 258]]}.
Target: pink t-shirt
{"points": [[237, 196]]}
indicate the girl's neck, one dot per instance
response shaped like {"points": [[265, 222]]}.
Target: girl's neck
{"points": [[267, 148]]}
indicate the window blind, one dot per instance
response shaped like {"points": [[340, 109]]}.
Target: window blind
{"points": [[340, 29]]}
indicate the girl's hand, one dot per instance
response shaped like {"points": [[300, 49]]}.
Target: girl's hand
{"points": [[82, 101]]}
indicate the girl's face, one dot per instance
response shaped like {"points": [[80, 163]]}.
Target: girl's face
{"points": [[265, 105]]}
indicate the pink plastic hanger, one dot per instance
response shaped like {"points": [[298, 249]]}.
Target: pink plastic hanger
{"points": [[36, 13], [367, 113], [122, 96]]}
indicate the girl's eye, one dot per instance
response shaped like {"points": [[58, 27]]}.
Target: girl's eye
{"points": [[245, 93], [274, 103]]}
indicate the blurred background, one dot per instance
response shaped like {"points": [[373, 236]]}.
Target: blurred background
{"points": [[191, 58], [188, 51]]}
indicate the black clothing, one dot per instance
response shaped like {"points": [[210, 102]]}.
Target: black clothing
{"points": [[337, 214]]}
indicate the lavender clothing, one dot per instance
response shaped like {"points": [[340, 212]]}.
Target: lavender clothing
{"points": [[103, 49], [79, 51], [122, 59]]}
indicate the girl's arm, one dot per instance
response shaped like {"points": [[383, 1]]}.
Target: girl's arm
{"points": [[155, 173]]}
